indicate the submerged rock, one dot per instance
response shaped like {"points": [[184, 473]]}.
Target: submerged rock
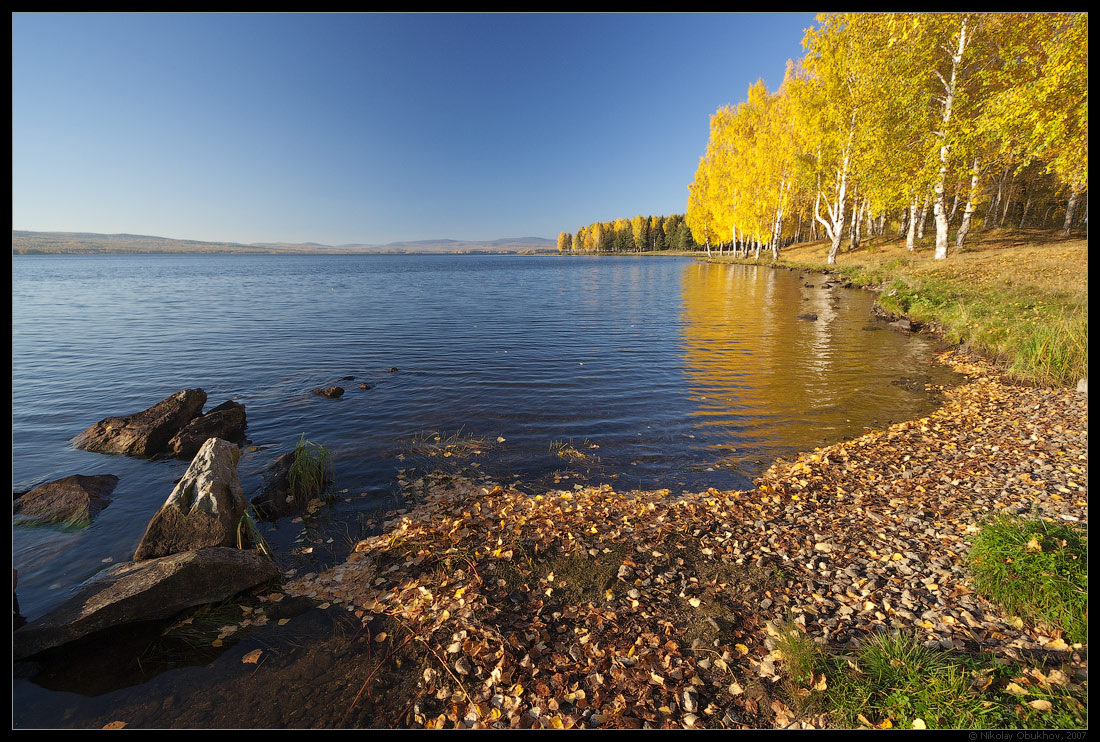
{"points": [[333, 392], [226, 421], [276, 499], [204, 508], [76, 498], [145, 591], [811, 316], [144, 433]]}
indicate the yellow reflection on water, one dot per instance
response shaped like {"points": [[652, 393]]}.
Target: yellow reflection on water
{"points": [[772, 378]]}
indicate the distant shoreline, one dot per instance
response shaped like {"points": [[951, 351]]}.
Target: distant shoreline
{"points": [[90, 243]]}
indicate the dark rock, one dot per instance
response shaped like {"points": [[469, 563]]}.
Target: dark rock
{"points": [[881, 313], [809, 316], [903, 324], [364, 386], [145, 591], [275, 499], [226, 421], [76, 498], [332, 392], [144, 433], [808, 285], [393, 370], [203, 509], [348, 378], [17, 620]]}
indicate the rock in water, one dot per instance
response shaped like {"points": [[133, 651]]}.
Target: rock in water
{"points": [[333, 392], [226, 421], [145, 591], [144, 433], [204, 508], [275, 500], [75, 498]]}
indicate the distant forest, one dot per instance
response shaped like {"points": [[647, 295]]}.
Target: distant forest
{"points": [[640, 234]]}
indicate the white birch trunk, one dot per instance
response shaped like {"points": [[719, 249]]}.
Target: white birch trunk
{"points": [[968, 210], [1071, 206], [940, 205], [911, 237]]}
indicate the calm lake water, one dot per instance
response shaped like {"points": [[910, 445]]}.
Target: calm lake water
{"points": [[685, 375]]}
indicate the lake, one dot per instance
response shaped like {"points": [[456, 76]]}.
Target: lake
{"points": [[644, 372]]}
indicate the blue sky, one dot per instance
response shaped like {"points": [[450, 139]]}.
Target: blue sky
{"points": [[371, 128]]}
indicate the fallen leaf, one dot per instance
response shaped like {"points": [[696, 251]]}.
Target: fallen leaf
{"points": [[1040, 704], [252, 657], [115, 725]]}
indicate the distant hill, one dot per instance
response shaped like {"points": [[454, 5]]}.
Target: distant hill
{"points": [[32, 243]]}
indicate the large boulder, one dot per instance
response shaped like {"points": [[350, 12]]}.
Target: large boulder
{"points": [[145, 591], [226, 421], [73, 499], [144, 433], [204, 508]]}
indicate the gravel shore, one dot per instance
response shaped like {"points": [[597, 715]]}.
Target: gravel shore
{"points": [[594, 607]]}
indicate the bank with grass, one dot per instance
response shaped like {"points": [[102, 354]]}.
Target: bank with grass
{"points": [[1018, 297]]}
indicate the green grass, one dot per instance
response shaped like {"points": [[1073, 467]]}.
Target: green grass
{"points": [[1020, 298], [893, 681], [311, 468], [1036, 570], [248, 535], [1045, 341]]}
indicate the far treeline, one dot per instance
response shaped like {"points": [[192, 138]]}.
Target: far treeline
{"points": [[980, 117], [640, 234]]}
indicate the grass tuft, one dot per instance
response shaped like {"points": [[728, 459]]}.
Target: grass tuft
{"points": [[1036, 570], [311, 468]]}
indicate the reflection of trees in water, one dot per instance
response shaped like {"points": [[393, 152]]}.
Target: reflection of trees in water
{"points": [[767, 377]]}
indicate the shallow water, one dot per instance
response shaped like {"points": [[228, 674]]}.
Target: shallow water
{"points": [[683, 375]]}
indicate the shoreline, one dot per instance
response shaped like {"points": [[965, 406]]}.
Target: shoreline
{"points": [[486, 607]]}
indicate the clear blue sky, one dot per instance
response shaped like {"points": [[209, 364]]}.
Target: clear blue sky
{"points": [[371, 128]]}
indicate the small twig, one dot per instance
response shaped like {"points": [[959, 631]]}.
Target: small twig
{"points": [[437, 657], [369, 678]]}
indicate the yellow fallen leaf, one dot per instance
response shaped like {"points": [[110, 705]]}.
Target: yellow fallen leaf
{"points": [[115, 725], [919, 724], [380, 636], [252, 657], [1033, 545], [1040, 704], [741, 649], [1015, 689], [284, 621]]}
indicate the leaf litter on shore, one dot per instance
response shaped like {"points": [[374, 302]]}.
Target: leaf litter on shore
{"points": [[598, 608]]}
